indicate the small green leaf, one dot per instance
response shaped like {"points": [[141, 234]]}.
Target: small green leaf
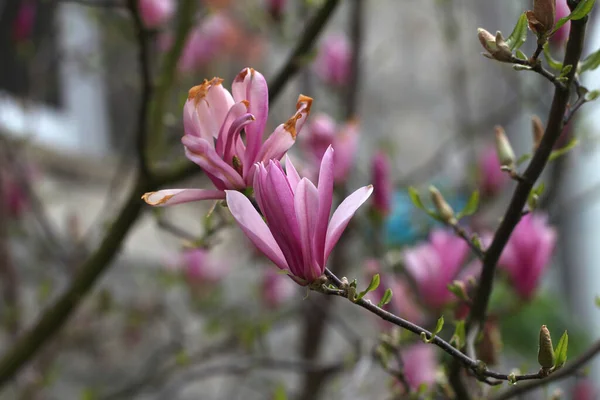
{"points": [[182, 358], [554, 64], [280, 393], [560, 352], [565, 70], [523, 158], [387, 297], [593, 95], [372, 286], [471, 206], [521, 55], [557, 153], [590, 63], [438, 328], [583, 8], [415, 198], [597, 301], [459, 334], [519, 34], [539, 189]]}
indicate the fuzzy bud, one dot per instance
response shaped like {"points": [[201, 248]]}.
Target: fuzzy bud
{"points": [[504, 149], [541, 19], [537, 131], [546, 350], [446, 212], [495, 45]]}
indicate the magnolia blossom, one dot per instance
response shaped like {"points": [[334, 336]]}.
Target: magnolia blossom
{"points": [[420, 365], [491, 177], [198, 266], [216, 34], [561, 35], [276, 288], [434, 265], [213, 120], [23, 24], [155, 13], [298, 235], [527, 253], [323, 132], [382, 181], [334, 59]]}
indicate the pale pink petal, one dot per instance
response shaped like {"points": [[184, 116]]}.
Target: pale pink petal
{"points": [[254, 227], [306, 204], [203, 154], [220, 101], [292, 173], [325, 187], [191, 123], [234, 146], [169, 197], [342, 215]]}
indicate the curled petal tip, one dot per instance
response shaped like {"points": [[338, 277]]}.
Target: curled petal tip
{"points": [[156, 202], [304, 101], [198, 92], [242, 74], [246, 103]]}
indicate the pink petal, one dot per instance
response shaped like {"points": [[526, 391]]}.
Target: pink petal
{"points": [[341, 216], [234, 113], [220, 101], [203, 154], [325, 200], [292, 173], [251, 85], [169, 197], [234, 145], [306, 203], [254, 227]]}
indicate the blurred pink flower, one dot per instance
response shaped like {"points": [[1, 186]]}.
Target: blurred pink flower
{"points": [[298, 235], [276, 288], [215, 35], [333, 60], [275, 8], [14, 197], [323, 132], [584, 389], [491, 178], [199, 267], [23, 25], [402, 303], [527, 253], [561, 35], [155, 13], [420, 365], [382, 183], [213, 120], [434, 265]]}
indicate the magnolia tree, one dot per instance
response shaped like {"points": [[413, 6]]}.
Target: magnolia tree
{"points": [[441, 299]]}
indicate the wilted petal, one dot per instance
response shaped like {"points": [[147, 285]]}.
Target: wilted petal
{"points": [[169, 197], [254, 227], [284, 135], [203, 154], [341, 216], [234, 147], [237, 111], [325, 187], [306, 204]]}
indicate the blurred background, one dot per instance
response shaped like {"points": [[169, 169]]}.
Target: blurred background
{"points": [[188, 309]]}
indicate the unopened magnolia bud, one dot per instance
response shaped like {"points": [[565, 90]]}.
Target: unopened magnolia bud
{"points": [[495, 45], [537, 131], [459, 289], [506, 155], [541, 19], [443, 208], [545, 351]]}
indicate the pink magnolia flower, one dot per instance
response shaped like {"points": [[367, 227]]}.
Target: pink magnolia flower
{"points": [[276, 289], [491, 178], [382, 181], [216, 34], [298, 235], [323, 132], [420, 365], [199, 267], [275, 8], [527, 253], [584, 389], [13, 194], [22, 27], [434, 265], [333, 60], [561, 35], [213, 120], [155, 13]]}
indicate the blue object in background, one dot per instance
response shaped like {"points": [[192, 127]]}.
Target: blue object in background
{"points": [[406, 224]]}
